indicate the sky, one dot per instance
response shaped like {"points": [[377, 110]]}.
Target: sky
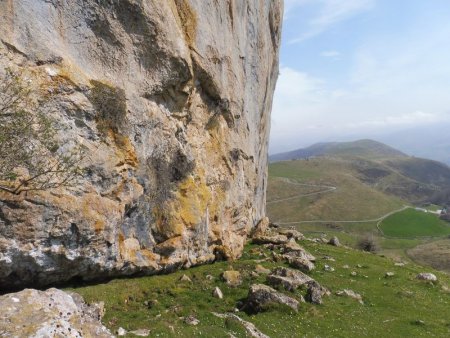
{"points": [[360, 68]]}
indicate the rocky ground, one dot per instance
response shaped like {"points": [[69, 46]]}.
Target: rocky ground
{"points": [[284, 286]]}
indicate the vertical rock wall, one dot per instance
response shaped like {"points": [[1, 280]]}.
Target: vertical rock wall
{"points": [[172, 100]]}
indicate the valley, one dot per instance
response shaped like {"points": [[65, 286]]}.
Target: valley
{"points": [[364, 189]]}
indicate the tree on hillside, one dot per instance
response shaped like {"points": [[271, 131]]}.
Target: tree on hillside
{"points": [[30, 156]]}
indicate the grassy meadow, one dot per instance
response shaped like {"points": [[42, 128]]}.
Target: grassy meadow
{"points": [[397, 306]]}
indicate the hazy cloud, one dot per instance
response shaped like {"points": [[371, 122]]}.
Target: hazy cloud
{"points": [[330, 54], [329, 13]]}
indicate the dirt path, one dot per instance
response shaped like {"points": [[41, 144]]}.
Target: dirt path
{"points": [[326, 188]]}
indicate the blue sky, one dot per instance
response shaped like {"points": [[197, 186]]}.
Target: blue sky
{"points": [[358, 68]]}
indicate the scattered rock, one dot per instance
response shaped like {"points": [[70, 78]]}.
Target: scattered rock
{"points": [[300, 263], [274, 225], [260, 296], [253, 274], [232, 278], [297, 251], [328, 268], [141, 332], [209, 277], [359, 266], [191, 320], [351, 294], [288, 278], [315, 292], [346, 266], [328, 258], [354, 273], [400, 264], [121, 331], [217, 293], [50, 313], [185, 278], [270, 239], [419, 322], [389, 274], [291, 233], [261, 270], [249, 327], [427, 277], [334, 241], [261, 228]]}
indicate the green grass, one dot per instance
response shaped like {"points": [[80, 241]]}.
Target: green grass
{"points": [[412, 223], [392, 307]]}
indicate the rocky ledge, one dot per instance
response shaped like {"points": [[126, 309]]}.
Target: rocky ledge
{"points": [[171, 102]]}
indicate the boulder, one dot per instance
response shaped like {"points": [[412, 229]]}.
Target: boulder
{"points": [[261, 270], [291, 233], [288, 278], [315, 292], [351, 294], [334, 241], [300, 263], [426, 276], [261, 228], [295, 250], [185, 278], [260, 296], [232, 278], [191, 320], [328, 268], [50, 313], [217, 293], [170, 101], [270, 239]]}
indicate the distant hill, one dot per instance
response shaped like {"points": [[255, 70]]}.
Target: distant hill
{"points": [[387, 169], [368, 149]]}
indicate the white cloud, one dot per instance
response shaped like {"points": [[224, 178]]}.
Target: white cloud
{"points": [[330, 13]]}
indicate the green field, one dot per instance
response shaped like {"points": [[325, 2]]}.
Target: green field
{"points": [[412, 223], [393, 307]]}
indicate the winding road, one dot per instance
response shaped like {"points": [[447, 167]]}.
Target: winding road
{"points": [[326, 189]]}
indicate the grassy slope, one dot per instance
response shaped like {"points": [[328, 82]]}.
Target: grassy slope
{"points": [[356, 198], [351, 201], [392, 307], [411, 223]]}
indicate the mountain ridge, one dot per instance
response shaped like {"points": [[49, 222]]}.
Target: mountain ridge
{"points": [[366, 148]]}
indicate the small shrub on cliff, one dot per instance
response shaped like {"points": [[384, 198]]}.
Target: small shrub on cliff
{"points": [[368, 243], [30, 156]]}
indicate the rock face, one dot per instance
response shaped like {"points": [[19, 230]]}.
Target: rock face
{"points": [[51, 313], [171, 100]]}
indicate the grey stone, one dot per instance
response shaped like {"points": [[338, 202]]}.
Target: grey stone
{"points": [[260, 296], [50, 313], [217, 293], [427, 276], [288, 278], [334, 241]]}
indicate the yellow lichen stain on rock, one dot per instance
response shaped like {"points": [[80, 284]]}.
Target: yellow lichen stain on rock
{"points": [[125, 150], [187, 20], [128, 248], [193, 197], [186, 209], [96, 210]]}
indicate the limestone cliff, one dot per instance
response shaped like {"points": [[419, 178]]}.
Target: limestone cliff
{"points": [[172, 100]]}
